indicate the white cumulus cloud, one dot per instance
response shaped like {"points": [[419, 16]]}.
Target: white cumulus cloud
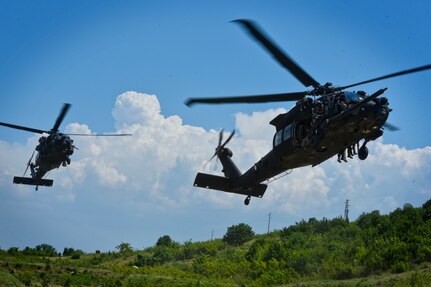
{"points": [[155, 168]]}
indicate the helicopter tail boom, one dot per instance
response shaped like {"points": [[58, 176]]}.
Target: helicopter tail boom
{"points": [[222, 183], [32, 181], [232, 180]]}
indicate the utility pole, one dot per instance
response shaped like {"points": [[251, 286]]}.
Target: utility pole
{"points": [[346, 210], [212, 235], [269, 221]]}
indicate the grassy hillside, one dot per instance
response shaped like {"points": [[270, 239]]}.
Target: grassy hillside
{"points": [[374, 250]]}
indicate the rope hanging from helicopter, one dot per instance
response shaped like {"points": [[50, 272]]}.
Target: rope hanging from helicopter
{"points": [[287, 172]]}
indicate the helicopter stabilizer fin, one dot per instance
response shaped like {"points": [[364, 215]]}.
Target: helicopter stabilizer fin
{"points": [[223, 183], [32, 181]]}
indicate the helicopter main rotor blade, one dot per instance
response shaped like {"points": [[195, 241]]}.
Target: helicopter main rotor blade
{"points": [[23, 128], [277, 53], [60, 117], [283, 97], [414, 70], [99, 135], [391, 127]]}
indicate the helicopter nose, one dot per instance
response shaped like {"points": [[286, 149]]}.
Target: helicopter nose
{"points": [[382, 112]]}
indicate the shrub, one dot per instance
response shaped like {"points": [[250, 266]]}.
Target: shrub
{"points": [[238, 234]]}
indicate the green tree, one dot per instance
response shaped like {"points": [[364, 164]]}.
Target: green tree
{"points": [[13, 250], [124, 247], [68, 251], [302, 227], [46, 250], [238, 234], [257, 250], [427, 210], [29, 251], [165, 241], [163, 254], [74, 254]]}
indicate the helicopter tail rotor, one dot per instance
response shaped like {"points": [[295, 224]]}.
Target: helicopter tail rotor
{"points": [[231, 181], [221, 146]]}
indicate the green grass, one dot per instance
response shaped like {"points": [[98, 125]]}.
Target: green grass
{"points": [[31, 271], [417, 278], [8, 280]]}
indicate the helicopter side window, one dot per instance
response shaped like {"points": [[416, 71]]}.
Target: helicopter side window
{"points": [[278, 138]]}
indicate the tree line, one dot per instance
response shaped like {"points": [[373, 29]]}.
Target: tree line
{"points": [[43, 250], [324, 249]]}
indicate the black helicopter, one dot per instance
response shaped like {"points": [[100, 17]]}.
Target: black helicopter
{"points": [[52, 151], [325, 121]]}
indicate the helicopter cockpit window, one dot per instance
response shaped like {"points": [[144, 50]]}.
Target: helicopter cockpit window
{"points": [[351, 96], [278, 138], [287, 133], [283, 135]]}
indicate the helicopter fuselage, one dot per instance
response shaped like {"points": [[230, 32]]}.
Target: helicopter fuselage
{"points": [[299, 144], [316, 130], [53, 151], [308, 134]]}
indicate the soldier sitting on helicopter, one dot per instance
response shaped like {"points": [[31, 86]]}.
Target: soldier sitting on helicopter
{"points": [[349, 151], [42, 144]]}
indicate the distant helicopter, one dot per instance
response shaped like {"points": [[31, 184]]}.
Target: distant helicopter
{"points": [[330, 122], [52, 151]]}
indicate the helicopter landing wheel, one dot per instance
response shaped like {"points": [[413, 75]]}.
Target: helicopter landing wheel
{"points": [[363, 152], [247, 200]]}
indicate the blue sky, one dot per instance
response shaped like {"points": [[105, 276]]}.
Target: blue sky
{"points": [[88, 53]]}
